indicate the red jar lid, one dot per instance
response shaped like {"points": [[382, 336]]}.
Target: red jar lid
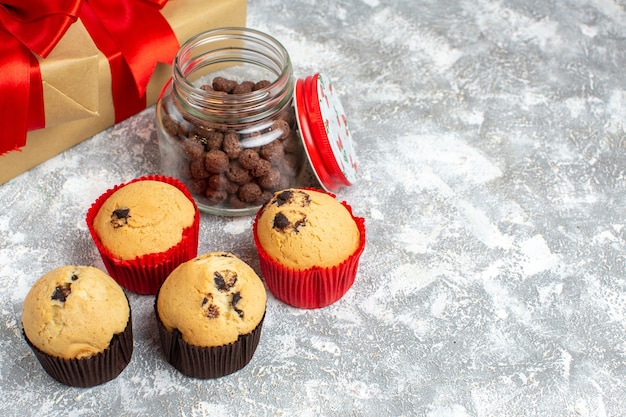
{"points": [[324, 130]]}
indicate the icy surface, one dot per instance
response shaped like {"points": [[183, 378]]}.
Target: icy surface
{"points": [[492, 155]]}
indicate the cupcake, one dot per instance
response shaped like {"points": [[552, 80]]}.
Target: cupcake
{"points": [[209, 313], [309, 246], [144, 229], [77, 321]]}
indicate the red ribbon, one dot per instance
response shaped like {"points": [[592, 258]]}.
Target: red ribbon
{"points": [[37, 26], [132, 34]]}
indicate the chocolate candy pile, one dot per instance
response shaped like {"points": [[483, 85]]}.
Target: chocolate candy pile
{"points": [[239, 168]]}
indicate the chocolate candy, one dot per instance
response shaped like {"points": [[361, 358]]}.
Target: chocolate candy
{"points": [[192, 148], [261, 84], [216, 161], [171, 127], [222, 84], [238, 174], [198, 170], [271, 180], [249, 192], [244, 87], [239, 166], [231, 145], [215, 196]]}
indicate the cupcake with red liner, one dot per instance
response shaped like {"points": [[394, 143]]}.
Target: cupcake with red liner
{"points": [[144, 229], [309, 246], [210, 313], [77, 321]]}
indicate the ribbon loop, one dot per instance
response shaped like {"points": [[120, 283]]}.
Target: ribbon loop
{"points": [[134, 36], [140, 33], [38, 24], [35, 26]]}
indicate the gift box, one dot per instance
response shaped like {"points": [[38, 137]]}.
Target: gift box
{"points": [[85, 87]]}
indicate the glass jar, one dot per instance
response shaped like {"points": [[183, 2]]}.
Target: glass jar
{"points": [[229, 126]]}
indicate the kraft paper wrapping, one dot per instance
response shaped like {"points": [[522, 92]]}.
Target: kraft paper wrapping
{"points": [[70, 78], [77, 82]]}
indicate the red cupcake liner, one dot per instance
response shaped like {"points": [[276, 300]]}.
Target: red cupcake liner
{"points": [[145, 274], [315, 287], [92, 370], [207, 362]]}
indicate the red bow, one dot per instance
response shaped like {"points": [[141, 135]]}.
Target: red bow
{"points": [[37, 27], [132, 34]]}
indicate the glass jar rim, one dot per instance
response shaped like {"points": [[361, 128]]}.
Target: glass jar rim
{"points": [[243, 46]]}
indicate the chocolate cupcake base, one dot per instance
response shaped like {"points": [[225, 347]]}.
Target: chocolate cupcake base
{"points": [[92, 370], [207, 362]]}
